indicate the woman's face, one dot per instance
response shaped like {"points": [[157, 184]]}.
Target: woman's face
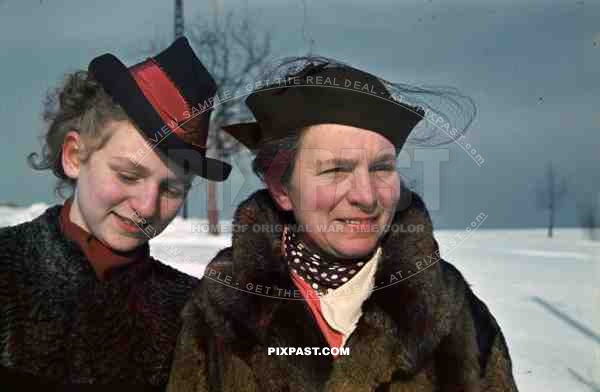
{"points": [[344, 188], [118, 185]]}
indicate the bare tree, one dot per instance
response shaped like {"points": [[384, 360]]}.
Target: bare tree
{"points": [[235, 51], [588, 211], [550, 194]]}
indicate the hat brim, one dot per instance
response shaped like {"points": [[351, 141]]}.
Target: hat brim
{"points": [[118, 82], [252, 135], [279, 111], [249, 134], [209, 168]]}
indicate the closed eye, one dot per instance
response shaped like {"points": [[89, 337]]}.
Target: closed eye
{"points": [[338, 169], [383, 167], [127, 178], [175, 191]]}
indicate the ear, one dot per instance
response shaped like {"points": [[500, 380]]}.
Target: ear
{"points": [[71, 154], [280, 195]]}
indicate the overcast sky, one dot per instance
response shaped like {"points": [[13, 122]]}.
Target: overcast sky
{"points": [[532, 68]]}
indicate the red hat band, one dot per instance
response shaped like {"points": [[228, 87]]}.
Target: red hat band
{"points": [[168, 102]]}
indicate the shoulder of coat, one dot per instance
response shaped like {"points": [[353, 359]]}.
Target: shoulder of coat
{"points": [[215, 272]]}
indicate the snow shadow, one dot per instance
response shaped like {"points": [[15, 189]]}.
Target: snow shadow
{"points": [[567, 319], [590, 384]]}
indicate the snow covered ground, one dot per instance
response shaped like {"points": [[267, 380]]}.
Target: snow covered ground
{"points": [[545, 293]]}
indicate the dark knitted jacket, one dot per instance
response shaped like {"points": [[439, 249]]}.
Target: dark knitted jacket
{"points": [[62, 327], [422, 329]]}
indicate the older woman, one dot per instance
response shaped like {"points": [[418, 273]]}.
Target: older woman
{"points": [[83, 304], [319, 290]]}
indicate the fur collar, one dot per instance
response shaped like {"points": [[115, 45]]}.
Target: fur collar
{"points": [[64, 258], [416, 301]]}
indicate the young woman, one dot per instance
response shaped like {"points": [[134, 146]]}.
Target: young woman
{"points": [[83, 303], [319, 261]]}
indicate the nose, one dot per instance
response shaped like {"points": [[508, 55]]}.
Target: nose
{"points": [[145, 202], [362, 194]]}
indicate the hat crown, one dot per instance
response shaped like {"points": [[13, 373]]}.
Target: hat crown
{"points": [[169, 97], [322, 94], [187, 72]]}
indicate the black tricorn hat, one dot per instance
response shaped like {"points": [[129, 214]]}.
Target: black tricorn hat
{"points": [[322, 94], [169, 97]]}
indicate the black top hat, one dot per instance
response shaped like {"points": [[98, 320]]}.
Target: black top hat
{"points": [[169, 97], [322, 94]]}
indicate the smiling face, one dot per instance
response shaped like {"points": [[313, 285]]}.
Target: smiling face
{"points": [[344, 188], [114, 189]]}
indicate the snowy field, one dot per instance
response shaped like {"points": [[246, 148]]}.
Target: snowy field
{"points": [[545, 293]]}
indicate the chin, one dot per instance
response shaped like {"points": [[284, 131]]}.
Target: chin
{"points": [[357, 250], [122, 243]]}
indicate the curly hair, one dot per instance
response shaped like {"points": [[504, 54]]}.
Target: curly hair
{"points": [[80, 104]]}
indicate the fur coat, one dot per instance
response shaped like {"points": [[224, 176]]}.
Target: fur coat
{"points": [[422, 329], [62, 328]]}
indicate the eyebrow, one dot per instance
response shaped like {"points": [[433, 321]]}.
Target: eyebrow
{"points": [[337, 161], [386, 157], [351, 162], [133, 166]]}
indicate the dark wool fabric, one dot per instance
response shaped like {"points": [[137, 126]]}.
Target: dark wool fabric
{"points": [[422, 329], [60, 326]]}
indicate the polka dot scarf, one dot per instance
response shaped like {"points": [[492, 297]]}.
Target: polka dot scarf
{"points": [[323, 273]]}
